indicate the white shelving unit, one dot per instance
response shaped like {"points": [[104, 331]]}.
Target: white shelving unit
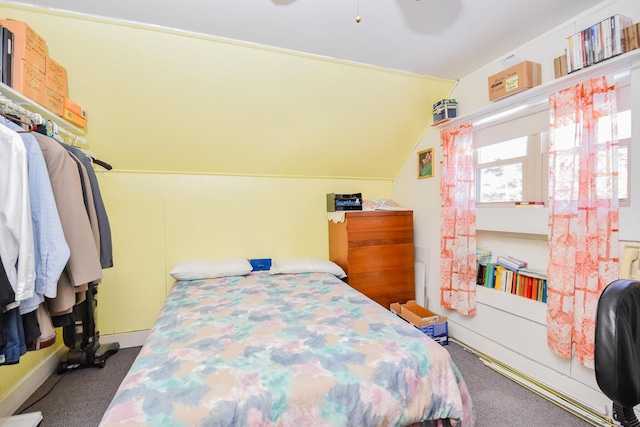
{"points": [[30, 105], [539, 95]]}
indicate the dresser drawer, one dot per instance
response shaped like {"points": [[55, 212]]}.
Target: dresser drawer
{"points": [[396, 280], [385, 287], [377, 258], [379, 228]]}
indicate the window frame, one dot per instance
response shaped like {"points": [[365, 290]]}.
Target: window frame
{"points": [[538, 165]]}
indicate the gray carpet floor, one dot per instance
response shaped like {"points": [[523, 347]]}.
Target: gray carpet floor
{"points": [[80, 397]]}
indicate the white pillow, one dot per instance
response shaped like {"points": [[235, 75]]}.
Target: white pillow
{"points": [[194, 269], [306, 265]]}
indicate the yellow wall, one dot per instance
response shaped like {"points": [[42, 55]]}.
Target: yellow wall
{"points": [[220, 149], [159, 100], [160, 219]]}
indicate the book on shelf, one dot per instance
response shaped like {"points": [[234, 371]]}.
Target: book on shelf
{"points": [[529, 204], [7, 57], [510, 262], [497, 284], [524, 283], [533, 273], [481, 272], [490, 275], [601, 41]]}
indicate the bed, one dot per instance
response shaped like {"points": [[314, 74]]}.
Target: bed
{"points": [[300, 349]]}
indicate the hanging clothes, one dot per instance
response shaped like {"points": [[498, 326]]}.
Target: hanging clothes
{"points": [[12, 344], [84, 260], [51, 251], [16, 229], [55, 237], [106, 247]]}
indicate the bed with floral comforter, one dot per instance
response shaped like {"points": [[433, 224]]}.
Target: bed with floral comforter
{"points": [[288, 350]]}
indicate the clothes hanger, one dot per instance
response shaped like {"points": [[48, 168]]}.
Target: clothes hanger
{"points": [[29, 125]]}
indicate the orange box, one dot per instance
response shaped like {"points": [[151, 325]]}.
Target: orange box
{"points": [[56, 76], [522, 76], [74, 118], [27, 44], [54, 101], [75, 108], [29, 81]]}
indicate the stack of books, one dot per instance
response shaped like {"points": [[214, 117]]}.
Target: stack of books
{"points": [[510, 262]]}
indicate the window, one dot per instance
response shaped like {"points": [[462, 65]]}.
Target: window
{"points": [[510, 171], [511, 161]]}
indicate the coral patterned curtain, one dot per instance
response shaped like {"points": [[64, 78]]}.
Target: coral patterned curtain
{"points": [[583, 214], [458, 221]]}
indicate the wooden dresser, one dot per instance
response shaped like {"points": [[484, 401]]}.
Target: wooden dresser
{"points": [[375, 249]]}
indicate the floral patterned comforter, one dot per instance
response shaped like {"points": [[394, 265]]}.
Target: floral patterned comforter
{"points": [[290, 350]]}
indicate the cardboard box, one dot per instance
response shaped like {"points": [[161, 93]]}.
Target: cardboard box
{"points": [[560, 66], [29, 81], [522, 76], [631, 37], [27, 44], [75, 108], [56, 78], [54, 102], [430, 323], [74, 118]]}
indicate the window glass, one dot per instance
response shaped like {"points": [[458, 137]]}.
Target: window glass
{"points": [[503, 150], [517, 169], [500, 183]]}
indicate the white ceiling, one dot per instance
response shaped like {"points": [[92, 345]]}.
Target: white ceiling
{"points": [[438, 38]]}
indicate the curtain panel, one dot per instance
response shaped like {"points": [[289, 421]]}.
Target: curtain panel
{"points": [[583, 214], [458, 221]]}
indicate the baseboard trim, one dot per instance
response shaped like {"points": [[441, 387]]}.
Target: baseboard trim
{"points": [[126, 340], [567, 403], [29, 384]]}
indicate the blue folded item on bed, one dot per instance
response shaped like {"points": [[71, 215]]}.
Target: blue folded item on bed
{"points": [[260, 264]]}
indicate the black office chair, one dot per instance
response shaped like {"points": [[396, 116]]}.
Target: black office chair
{"points": [[617, 348]]}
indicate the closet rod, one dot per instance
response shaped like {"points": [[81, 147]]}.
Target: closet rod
{"points": [[37, 119]]}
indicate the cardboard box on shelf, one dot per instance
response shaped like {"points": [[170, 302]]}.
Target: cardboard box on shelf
{"points": [[56, 77], [27, 44], [75, 108], [29, 81], [428, 322], [53, 101], [74, 118], [522, 76], [631, 37], [560, 66]]}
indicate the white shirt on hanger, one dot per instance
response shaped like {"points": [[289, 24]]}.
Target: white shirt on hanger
{"points": [[16, 231]]}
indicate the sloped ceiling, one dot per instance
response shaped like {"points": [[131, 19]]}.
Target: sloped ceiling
{"points": [[274, 88], [445, 39]]}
